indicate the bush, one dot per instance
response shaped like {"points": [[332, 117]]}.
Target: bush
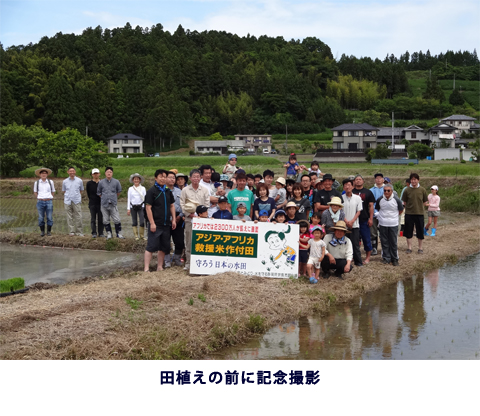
{"points": [[380, 152], [419, 151]]}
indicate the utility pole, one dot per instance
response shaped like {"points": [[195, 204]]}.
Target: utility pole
{"points": [[286, 139], [454, 81], [86, 131], [393, 137]]}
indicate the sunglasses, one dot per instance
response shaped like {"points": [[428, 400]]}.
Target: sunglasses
{"points": [[387, 190]]}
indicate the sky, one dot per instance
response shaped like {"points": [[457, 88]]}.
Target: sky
{"points": [[354, 27]]}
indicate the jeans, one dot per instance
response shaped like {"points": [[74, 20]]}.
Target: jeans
{"points": [[354, 237], [137, 213], [96, 212], [45, 207], [365, 235]]}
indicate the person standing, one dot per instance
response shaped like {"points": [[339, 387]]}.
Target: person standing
{"points": [[135, 204], [389, 207], [352, 206], [377, 191], [324, 196], [44, 191], [160, 208], [192, 196], [108, 190], [94, 203], [241, 194], [72, 199], [414, 198], [366, 216]]}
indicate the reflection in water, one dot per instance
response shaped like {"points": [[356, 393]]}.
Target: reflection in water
{"points": [[436, 316], [49, 265]]}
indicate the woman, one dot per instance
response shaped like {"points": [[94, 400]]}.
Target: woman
{"points": [[302, 203], [333, 214], [135, 203]]}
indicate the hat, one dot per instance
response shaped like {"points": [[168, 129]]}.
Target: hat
{"points": [[263, 213], [201, 209], [280, 211], [232, 156], [358, 176], [434, 187], [136, 175], [291, 204], [378, 174], [281, 180], [182, 175], [351, 177], [317, 227], [328, 176], [224, 177], [261, 181], [242, 204], [95, 170], [340, 226], [240, 171], [190, 207], [305, 223], [222, 199], [319, 180], [387, 179], [49, 171], [175, 171], [335, 201]]}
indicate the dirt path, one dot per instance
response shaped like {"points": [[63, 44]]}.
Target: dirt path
{"points": [[160, 315]]}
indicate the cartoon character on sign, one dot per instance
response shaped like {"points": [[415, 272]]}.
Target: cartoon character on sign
{"points": [[280, 252]]}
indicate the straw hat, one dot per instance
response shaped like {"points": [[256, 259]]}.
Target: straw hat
{"points": [[37, 172], [291, 204], [190, 207], [340, 226], [182, 175], [335, 201], [281, 180], [136, 175], [175, 171]]}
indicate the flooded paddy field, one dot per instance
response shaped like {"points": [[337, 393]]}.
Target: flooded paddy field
{"points": [[433, 316]]}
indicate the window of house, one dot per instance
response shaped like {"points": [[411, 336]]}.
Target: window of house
{"points": [[125, 141], [116, 150], [352, 133], [136, 150], [367, 145], [414, 134], [115, 141], [338, 146]]}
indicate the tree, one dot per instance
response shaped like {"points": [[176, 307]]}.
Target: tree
{"points": [[476, 149], [380, 152], [456, 98], [419, 151]]}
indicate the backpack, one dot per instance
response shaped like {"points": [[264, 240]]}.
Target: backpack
{"points": [[49, 182]]}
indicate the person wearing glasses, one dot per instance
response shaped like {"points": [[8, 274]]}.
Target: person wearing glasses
{"points": [[389, 207]]}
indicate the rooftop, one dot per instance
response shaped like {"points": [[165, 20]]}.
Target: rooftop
{"points": [[359, 126]]}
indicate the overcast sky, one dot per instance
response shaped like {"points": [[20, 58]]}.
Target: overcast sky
{"points": [[353, 27]]}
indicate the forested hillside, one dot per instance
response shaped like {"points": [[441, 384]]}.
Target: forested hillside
{"points": [[165, 85]]}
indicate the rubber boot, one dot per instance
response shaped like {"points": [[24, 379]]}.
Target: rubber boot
{"points": [[177, 260], [434, 230], [375, 246], [142, 233], [135, 233], [168, 262], [425, 231], [42, 230], [118, 230], [49, 230]]}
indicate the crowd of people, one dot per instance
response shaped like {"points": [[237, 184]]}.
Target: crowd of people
{"points": [[333, 224]]}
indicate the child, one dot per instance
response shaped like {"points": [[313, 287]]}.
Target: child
{"points": [[292, 167], [251, 182], [222, 213], [135, 204], [316, 218], [314, 168], [263, 202], [279, 217], [317, 252], [433, 210], [268, 179], [262, 217], [289, 188], [332, 215], [303, 241], [230, 168], [224, 181], [279, 194], [202, 211], [242, 210], [292, 216]]}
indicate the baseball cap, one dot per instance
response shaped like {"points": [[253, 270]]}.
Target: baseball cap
{"points": [[200, 209], [222, 199], [434, 187], [241, 204], [95, 170], [387, 179], [263, 213]]}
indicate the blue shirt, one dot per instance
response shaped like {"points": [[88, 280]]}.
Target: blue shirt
{"points": [[222, 215], [72, 189], [377, 193]]}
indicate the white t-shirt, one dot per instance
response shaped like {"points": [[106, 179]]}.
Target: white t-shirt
{"points": [[316, 247]]}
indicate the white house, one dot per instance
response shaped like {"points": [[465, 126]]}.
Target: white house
{"points": [[125, 143]]}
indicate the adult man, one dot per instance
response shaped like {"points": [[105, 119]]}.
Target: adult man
{"points": [[366, 216], [108, 190], [160, 208], [241, 194], [94, 204], [72, 200], [307, 189], [44, 191], [377, 191], [352, 207], [414, 198], [324, 196], [389, 207], [206, 172], [177, 234], [192, 196], [339, 252]]}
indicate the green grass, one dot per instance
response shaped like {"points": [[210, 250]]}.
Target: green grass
{"points": [[10, 285], [133, 303]]}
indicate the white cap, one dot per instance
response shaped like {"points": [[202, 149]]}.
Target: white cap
{"points": [[434, 187], [95, 171]]}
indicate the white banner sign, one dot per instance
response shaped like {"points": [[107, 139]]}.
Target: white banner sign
{"points": [[262, 249]]}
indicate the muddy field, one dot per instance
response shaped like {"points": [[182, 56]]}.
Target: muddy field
{"points": [[172, 315]]}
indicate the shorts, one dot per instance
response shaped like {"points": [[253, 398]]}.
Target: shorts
{"points": [[314, 261], [433, 213], [412, 221], [303, 256], [159, 240]]}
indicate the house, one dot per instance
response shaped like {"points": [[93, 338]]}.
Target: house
{"points": [[461, 123], [249, 143], [415, 134], [442, 133], [354, 137], [255, 141], [125, 143], [384, 135]]}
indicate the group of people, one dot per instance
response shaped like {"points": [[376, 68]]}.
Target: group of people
{"points": [[332, 223]]}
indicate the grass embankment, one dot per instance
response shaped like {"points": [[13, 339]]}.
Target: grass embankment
{"points": [[171, 315]]}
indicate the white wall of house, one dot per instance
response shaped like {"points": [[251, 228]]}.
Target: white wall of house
{"points": [[467, 154], [449, 153]]}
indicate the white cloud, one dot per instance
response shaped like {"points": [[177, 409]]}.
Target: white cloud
{"points": [[109, 20]]}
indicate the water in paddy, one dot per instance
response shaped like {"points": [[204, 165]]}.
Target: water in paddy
{"points": [[435, 316], [50, 265]]}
